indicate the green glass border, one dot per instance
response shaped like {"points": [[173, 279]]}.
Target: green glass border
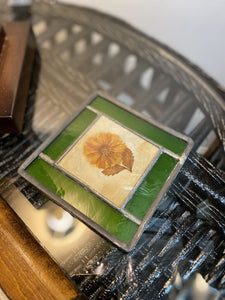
{"points": [[141, 126], [69, 134], [151, 186], [83, 200], [42, 173]]}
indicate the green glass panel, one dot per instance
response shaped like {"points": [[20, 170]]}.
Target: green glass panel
{"points": [[83, 200], [148, 130], [69, 134], [151, 186]]}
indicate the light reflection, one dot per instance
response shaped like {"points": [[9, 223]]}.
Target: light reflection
{"points": [[60, 221], [71, 243], [194, 288], [99, 270]]}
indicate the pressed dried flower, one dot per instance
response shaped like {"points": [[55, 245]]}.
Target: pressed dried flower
{"points": [[104, 150]]}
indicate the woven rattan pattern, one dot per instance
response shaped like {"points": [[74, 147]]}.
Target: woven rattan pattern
{"points": [[186, 234]]}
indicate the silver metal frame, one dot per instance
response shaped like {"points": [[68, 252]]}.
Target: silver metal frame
{"points": [[73, 211]]}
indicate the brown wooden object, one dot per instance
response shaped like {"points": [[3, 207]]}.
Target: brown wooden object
{"points": [[16, 60], [2, 38], [27, 271]]}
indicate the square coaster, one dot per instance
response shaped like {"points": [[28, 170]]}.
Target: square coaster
{"points": [[109, 167]]}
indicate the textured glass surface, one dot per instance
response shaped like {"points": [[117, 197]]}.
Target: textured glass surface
{"points": [[67, 136], [151, 186], [148, 130], [83, 200]]}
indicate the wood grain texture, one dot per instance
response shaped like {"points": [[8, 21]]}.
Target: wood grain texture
{"points": [[27, 272]]}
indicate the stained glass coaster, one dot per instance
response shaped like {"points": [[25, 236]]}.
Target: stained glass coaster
{"points": [[109, 167]]}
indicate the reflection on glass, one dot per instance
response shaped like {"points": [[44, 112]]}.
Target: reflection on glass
{"points": [[60, 222], [71, 243], [194, 288]]}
